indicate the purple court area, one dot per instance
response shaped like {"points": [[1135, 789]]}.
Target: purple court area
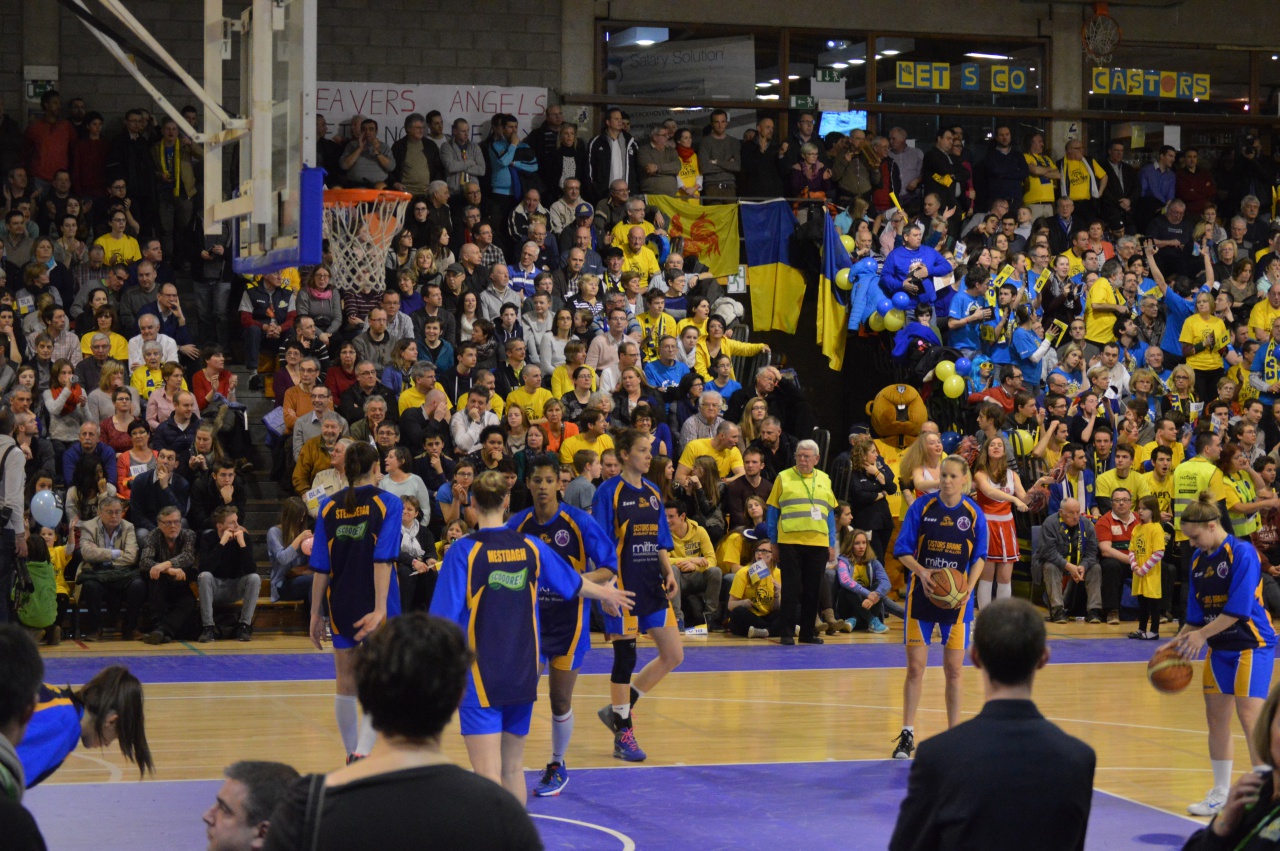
{"points": [[748, 656], [792, 805]]}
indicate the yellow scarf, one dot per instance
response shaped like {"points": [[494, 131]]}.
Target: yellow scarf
{"points": [[176, 175]]}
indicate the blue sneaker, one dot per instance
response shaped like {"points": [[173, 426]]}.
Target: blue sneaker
{"points": [[553, 781], [625, 747], [877, 626]]}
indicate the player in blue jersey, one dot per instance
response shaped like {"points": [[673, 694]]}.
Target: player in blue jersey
{"points": [[1225, 612], [629, 509], [357, 541], [490, 584], [106, 709], [940, 530], [563, 626]]}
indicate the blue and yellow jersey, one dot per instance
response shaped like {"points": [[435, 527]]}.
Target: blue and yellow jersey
{"points": [[352, 541], [574, 536], [1228, 581], [53, 733], [489, 585], [939, 537], [636, 524]]}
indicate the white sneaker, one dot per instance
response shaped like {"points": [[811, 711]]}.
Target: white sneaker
{"points": [[757, 632], [1211, 804]]}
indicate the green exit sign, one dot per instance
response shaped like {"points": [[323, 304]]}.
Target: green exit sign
{"points": [[828, 75], [803, 102]]}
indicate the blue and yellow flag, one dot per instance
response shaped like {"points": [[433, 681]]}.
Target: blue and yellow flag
{"points": [[777, 287], [710, 232], [833, 305]]}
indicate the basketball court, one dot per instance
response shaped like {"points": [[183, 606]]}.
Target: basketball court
{"points": [[750, 745]]}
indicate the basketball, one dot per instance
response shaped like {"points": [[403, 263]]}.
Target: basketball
{"points": [[951, 586], [1169, 672]]}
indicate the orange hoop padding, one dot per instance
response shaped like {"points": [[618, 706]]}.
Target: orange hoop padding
{"points": [[351, 197]]}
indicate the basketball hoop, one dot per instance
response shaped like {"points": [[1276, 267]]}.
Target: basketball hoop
{"points": [[360, 225], [1101, 35]]}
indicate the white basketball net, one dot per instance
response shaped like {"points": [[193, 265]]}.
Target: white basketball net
{"points": [[1101, 36], [360, 235]]}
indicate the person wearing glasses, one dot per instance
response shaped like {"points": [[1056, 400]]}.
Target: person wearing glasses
{"points": [[118, 245]]}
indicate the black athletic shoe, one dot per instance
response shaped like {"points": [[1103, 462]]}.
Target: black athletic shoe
{"points": [[906, 745], [609, 718], [786, 641], [813, 639], [1095, 616], [156, 637], [244, 632], [209, 634], [1058, 615], [255, 382]]}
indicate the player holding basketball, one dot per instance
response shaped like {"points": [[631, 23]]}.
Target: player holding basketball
{"points": [[357, 540], [941, 530], [489, 585], [562, 623], [1225, 612], [629, 509]]}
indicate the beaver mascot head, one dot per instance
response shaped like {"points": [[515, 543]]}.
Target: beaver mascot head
{"points": [[897, 413]]}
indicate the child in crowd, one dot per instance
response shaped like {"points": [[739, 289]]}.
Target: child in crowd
{"points": [[581, 491], [1146, 549]]}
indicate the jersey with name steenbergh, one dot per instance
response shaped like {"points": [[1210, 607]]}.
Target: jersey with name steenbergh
{"points": [[939, 537], [1228, 581], [578, 539], [348, 542], [489, 585], [54, 732], [636, 523]]}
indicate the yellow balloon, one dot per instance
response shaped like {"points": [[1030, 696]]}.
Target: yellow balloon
{"points": [[847, 242], [894, 320], [842, 279], [876, 322], [944, 370], [953, 387]]}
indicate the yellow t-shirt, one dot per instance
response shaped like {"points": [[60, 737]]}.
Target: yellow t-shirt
{"points": [[1148, 539], [690, 322], [1195, 331], [414, 398], [652, 330], [496, 404], [695, 544], [1261, 317], [761, 589], [533, 403], [145, 381], [122, 250], [1163, 491], [59, 557], [729, 553], [1038, 190], [119, 346], [1078, 177], [621, 229], [1099, 327], [562, 381], [571, 445], [726, 461], [644, 262], [1109, 481], [1148, 449]]}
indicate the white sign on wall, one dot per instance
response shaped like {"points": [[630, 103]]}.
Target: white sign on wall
{"points": [[389, 103], [711, 68]]}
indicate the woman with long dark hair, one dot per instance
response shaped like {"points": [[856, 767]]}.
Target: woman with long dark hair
{"points": [[105, 710], [357, 542]]}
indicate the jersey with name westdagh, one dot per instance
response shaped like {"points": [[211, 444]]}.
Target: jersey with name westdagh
{"points": [[489, 585], [636, 523], [1228, 581], [348, 542], [576, 537], [938, 537]]}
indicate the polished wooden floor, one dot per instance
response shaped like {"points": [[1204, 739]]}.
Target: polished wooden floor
{"points": [[1151, 747]]}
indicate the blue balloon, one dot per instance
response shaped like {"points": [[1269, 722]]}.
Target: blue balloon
{"points": [[45, 509], [902, 301], [950, 441], [963, 366], [883, 306]]}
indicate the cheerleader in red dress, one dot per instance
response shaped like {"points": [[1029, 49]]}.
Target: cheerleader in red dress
{"points": [[998, 491]]}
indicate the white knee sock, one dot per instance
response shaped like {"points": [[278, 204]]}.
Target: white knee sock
{"points": [[984, 592], [561, 732], [1221, 773], [1004, 589], [367, 736], [344, 706]]}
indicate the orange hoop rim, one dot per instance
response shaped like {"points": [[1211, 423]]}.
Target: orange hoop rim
{"points": [[352, 197]]}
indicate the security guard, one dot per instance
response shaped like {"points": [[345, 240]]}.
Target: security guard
{"points": [[802, 521]]}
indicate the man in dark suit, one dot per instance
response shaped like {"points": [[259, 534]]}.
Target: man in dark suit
{"points": [[982, 783], [1121, 193]]}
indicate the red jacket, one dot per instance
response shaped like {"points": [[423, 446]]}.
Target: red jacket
{"points": [[1195, 190]]}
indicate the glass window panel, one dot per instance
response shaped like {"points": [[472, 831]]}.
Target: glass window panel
{"points": [[1228, 72], [910, 70]]}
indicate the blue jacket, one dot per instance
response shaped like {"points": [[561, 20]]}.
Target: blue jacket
{"points": [[864, 291], [898, 264], [104, 452]]}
